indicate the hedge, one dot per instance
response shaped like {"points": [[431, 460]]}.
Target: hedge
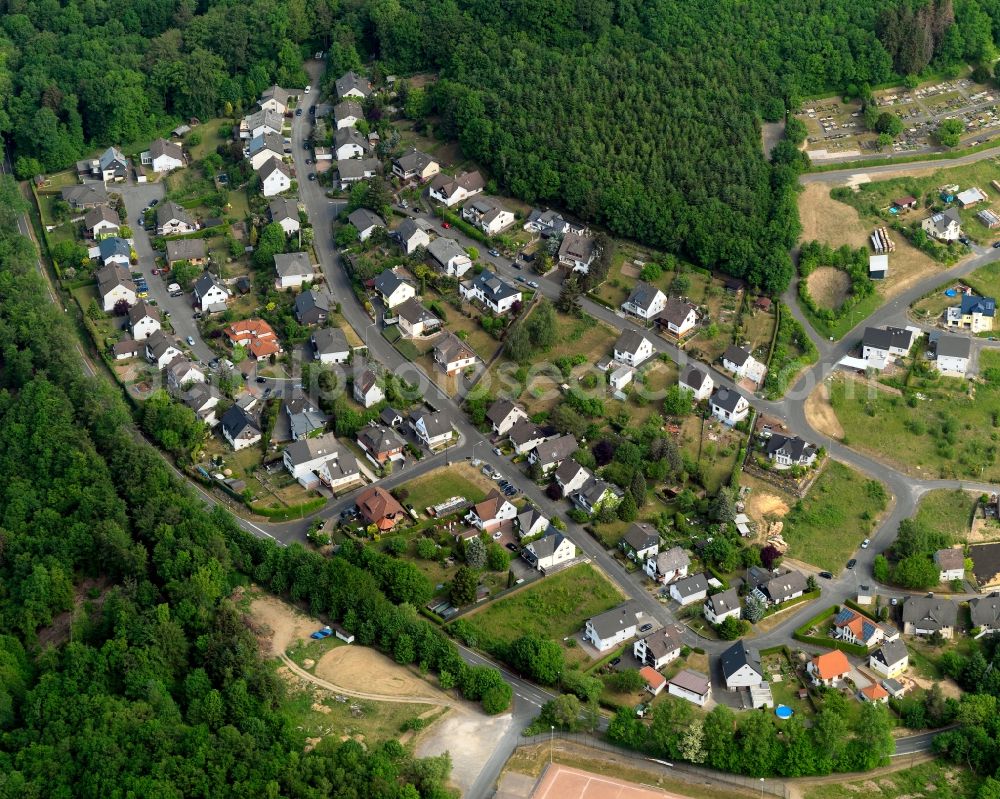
{"points": [[806, 597], [469, 230], [827, 643], [607, 659], [715, 573], [293, 512]]}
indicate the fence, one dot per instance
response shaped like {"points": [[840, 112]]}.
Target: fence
{"points": [[685, 772]]}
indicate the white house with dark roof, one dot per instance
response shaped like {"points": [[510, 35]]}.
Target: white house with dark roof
{"points": [[191, 250], [571, 476], [667, 566], [415, 165], [678, 317], [741, 363], [577, 251], [690, 589], [259, 122], [641, 541], [354, 170], [525, 435], [698, 381], [943, 226], [393, 289], [741, 667], [549, 454], [632, 348], [276, 99], [101, 222], [985, 614], [348, 143], [239, 428], [951, 564], [503, 415], [85, 195], [347, 114], [209, 294], [492, 291], [692, 686], [786, 452], [263, 148], [546, 223], [596, 494], [275, 177], [172, 219], [926, 615], [646, 301], [367, 391], [432, 429], [366, 222], [549, 551], [304, 417], [487, 214], [163, 156], [890, 660], [415, 320], [613, 627], [351, 84], [330, 345], [160, 349], [952, 355], [114, 285], [728, 406], [453, 189], [293, 269], [880, 347], [412, 235], [781, 588], [285, 211], [452, 354], [531, 521], [723, 605], [449, 257], [113, 165], [182, 372], [660, 647], [143, 320], [114, 250]]}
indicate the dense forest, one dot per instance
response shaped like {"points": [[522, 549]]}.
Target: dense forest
{"points": [[125, 670]]}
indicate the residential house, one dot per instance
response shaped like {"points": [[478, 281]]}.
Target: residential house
{"points": [[412, 235], [390, 417], [890, 660], [432, 429], [986, 564], [531, 521], [101, 221], [782, 588], [209, 294], [366, 222], [549, 551], [348, 143], [255, 336], [879, 347], [723, 605], [276, 99], [351, 84], [202, 399], [491, 290], [641, 539], [347, 114], [239, 428], [451, 190], [659, 647], [114, 250], [312, 307], [595, 494], [854, 628], [549, 454], [452, 354], [171, 219], [951, 563], [275, 177], [84, 196], [381, 444], [693, 588], [377, 506], [577, 251], [646, 301], [143, 320], [728, 406], [491, 512], [975, 314], [985, 613], [304, 417], [285, 211], [693, 686], [113, 165], [547, 223], [488, 215], [952, 354], [330, 345], [655, 682], [114, 285], [620, 378], [926, 615], [503, 414], [829, 668], [678, 317], [740, 362], [741, 667], [127, 348], [415, 320], [571, 476], [449, 256], [182, 372], [943, 226], [293, 270], [667, 566], [613, 627], [163, 156], [260, 122], [415, 165], [786, 452], [699, 382], [393, 289], [525, 436], [160, 349], [354, 170], [190, 250], [366, 389], [263, 148], [632, 348], [874, 693]]}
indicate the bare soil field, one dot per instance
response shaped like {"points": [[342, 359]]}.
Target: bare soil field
{"points": [[362, 669], [281, 624], [829, 286], [761, 505], [820, 414], [469, 737]]}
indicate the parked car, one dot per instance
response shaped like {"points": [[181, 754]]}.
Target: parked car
{"points": [[326, 632], [512, 547], [312, 176], [497, 451], [298, 112], [308, 89], [615, 662], [404, 205], [153, 202], [646, 628], [533, 284], [446, 225], [497, 535], [495, 253], [866, 543], [852, 563], [894, 601], [261, 379], [826, 575], [510, 491], [996, 245], [190, 341], [308, 161]]}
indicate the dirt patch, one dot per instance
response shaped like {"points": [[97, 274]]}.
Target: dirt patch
{"points": [[761, 505], [820, 414], [949, 688], [828, 286], [470, 738], [630, 269], [361, 669], [279, 624]]}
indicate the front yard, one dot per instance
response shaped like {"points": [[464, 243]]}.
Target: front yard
{"points": [[459, 479]]}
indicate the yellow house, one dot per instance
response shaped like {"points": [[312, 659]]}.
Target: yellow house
{"points": [[975, 314], [890, 660]]}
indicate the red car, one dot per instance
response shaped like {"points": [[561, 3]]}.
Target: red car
{"points": [[446, 225]]}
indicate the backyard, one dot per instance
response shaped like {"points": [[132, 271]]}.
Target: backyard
{"points": [[985, 282], [948, 510], [839, 511]]}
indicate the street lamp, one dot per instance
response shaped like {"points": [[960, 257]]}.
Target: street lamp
{"points": [[761, 788], [552, 736]]}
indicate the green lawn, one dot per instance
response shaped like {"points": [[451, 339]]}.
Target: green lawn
{"points": [[933, 780], [459, 480], [946, 433], [841, 326], [829, 524], [949, 511], [554, 607]]}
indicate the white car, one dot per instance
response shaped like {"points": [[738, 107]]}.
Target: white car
{"points": [[865, 543], [190, 341], [497, 535], [308, 89]]}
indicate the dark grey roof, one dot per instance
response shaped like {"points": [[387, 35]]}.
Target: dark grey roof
{"points": [[89, 193], [143, 309], [293, 264], [661, 643], [363, 219], [352, 80], [114, 246], [694, 377], [556, 449], [101, 213], [169, 210], [724, 601], [985, 562], [377, 438], [676, 311], [954, 346], [985, 611], [348, 108], [185, 249], [309, 300], [387, 282], [356, 168], [443, 249], [283, 208], [436, 424], [204, 283], [274, 165], [451, 348], [894, 337], [785, 586], [236, 420], [499, 410], [794, 447], [414, 161], [891, 652], [738, 656], [390, 417], [547, 544], [407, 229], [725, 399], [643, 295], [614, 621], [629, 341], [272, 142], [691, 585], [672, 559], [736, 355], [494, 287], [523, 431], [569, 469], [413, 312], [349, 136], [641, 535], [330, 339], [595, 488], [929, 613]]}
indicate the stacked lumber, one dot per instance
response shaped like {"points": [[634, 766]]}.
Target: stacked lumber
{"points": [[881, 241]]}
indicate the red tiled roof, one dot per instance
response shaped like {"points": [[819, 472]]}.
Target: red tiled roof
{"points": [[831, 664], [652, 677]]}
